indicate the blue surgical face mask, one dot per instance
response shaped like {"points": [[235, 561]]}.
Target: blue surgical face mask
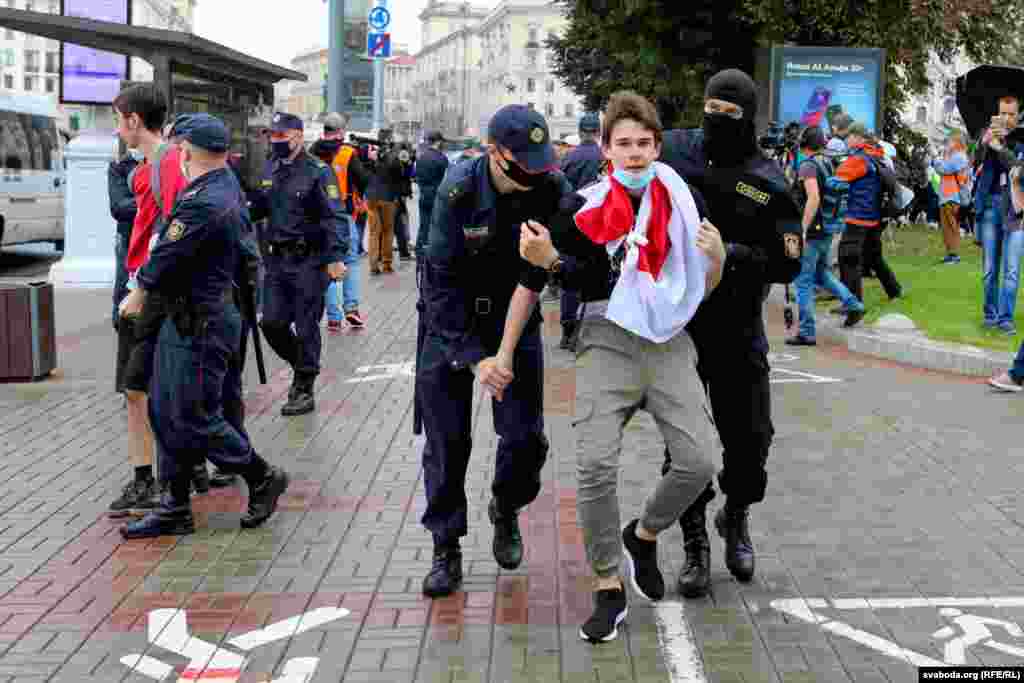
{"points": [[634, 180]]}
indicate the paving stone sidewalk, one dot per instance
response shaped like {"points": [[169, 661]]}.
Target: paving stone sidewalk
{"points": [[888, 483]]}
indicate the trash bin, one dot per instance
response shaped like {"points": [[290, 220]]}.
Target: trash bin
{"points": [[28, 337]]}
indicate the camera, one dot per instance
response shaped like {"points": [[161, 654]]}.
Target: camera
{"points": [[774, 139]]}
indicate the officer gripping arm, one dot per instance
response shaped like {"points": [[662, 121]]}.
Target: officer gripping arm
{"points": [[775, 252]]}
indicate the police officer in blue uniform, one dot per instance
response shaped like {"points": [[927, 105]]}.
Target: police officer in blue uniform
{"points": [[582, 166], [482, 319], [307, 240], [431, 167], [760, 224], [196, 370]]}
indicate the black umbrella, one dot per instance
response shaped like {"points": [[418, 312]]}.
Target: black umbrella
{"points": [[978, 92]]}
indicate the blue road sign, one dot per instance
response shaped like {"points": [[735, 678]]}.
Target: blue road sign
{"points": [[380, 18], [378, 45]]}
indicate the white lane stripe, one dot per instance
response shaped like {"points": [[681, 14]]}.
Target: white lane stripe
{"points": [[678, 644], [147, 666], [288, 627]]}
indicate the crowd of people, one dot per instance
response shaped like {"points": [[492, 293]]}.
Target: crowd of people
{"points": [[661, 246]]}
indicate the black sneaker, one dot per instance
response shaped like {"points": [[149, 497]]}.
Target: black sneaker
{"points": [[137, 498], [609, 611], [642, 558]]}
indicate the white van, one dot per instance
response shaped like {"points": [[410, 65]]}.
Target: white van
{"points": [[31, 172]]}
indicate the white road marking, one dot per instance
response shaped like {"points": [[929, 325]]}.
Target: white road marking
{"points": [[805, 610], [288, 627], [678, 644], [787, 376], [168, 630], [782, 357]]}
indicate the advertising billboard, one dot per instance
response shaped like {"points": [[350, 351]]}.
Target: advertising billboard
{"points": [[811, 85], [93, 76]]}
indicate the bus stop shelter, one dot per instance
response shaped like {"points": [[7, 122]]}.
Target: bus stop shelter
{"points": [[194, 74]]}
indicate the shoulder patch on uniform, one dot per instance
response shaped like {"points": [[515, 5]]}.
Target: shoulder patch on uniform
{"points": [[753, 193], [175, 230], [266, 182], [332, 191]]}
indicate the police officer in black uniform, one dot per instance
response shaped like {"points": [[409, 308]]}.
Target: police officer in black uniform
{"points": [[482, 319], [431, 166], [582, 166], [197, 369], [760, 223], [305, 250]]}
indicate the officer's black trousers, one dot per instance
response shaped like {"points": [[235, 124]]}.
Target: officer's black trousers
{"points": [[740, 394], [294, 291], [446, 397]]}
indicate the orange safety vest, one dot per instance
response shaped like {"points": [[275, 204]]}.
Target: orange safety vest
{"points": [[340, 165]]}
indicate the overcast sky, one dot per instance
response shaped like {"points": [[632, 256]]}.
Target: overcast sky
{"points": [[277, 31]]}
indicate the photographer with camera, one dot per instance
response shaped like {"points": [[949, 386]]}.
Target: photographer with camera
{"points": [[383, 194]]}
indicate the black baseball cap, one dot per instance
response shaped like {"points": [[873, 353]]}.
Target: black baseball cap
{"points": [[524, 132], [207, 132], [590, 123], [284, 122], [179, 125]]}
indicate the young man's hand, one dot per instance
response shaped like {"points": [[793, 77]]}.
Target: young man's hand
{"points": [[709, 241], [495, 374], [336, 271]]}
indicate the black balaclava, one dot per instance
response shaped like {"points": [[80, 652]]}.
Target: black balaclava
{"points": [[728, 142]]}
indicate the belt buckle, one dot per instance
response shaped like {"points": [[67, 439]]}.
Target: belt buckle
{"points": [[483, 305]]}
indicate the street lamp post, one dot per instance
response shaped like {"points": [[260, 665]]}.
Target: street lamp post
{"points": [[336, 55], [465, 66]]}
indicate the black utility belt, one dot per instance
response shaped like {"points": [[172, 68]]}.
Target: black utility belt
{"points": [[299, 249]]}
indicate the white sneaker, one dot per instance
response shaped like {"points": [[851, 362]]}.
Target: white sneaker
{"points": [[1004, 382]]}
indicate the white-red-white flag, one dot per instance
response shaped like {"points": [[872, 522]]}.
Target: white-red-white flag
{"points": [[663, 274]]}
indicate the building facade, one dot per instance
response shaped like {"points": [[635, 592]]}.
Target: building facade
{"points": [[475, 61], [934, 113], [31, 65]]}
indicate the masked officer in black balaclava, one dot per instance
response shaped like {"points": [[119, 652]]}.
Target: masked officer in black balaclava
{"points": [[760, 224]]}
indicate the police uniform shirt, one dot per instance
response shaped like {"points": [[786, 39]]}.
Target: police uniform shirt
{"points": [[473, 262], [760, 224], [431, 167], [582, 166], [197, 255], [303, 203]]}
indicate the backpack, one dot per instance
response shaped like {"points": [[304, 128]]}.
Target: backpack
{"points": [[832, 196], [889, 197]]}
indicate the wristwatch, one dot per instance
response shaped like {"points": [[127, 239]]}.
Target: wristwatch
{"points": [[556, 266]]}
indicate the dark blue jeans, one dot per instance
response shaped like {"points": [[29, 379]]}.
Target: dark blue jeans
{"points": [[194, 377], [446, 397]]}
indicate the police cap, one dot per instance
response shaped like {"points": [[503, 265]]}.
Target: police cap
{"points": [[284, 122], [524, 132], [590, 123], [207, 132], [179, 125]]}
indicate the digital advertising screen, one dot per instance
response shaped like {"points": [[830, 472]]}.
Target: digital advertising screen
{"points": [[92, 76], [812, 85]]}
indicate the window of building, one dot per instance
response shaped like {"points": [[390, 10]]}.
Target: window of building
{"points": [[533, 35], [922, 115], [531, 85], [51, 85], [531, 59], [570, 111], [9, 57], [52, 62], [28, 84], [31, 61], [549, 109], [8, 82], [549, 86]]}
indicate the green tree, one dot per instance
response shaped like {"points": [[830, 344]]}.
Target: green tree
{"points": [[666, 49]]}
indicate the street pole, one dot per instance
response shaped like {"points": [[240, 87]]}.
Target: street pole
{"points": [[465, 67], [336, 56], [378, 93]]}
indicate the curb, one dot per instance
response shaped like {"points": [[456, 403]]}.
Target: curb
{"points": [[910, 348]]}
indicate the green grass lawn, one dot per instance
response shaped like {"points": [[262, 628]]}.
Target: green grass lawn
{"points": [[944, 301]]}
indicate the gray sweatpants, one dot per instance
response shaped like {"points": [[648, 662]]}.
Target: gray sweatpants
{"points": [[617, 373]]}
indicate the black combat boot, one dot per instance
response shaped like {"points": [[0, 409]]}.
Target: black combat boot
{"points": [[568, 342], [508, 542], [732, 526], [266, 485], [300, 399], [695, 579], [220, 479], [173, 517], [200, 479], [445, 575]]}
